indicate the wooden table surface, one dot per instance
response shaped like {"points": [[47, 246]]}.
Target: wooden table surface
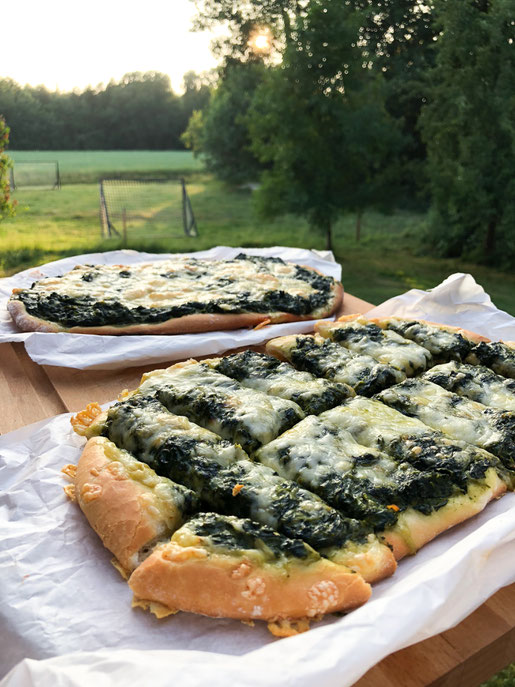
{"points": [[464, 656]]}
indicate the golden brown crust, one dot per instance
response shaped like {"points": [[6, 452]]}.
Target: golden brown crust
{"points": [[218, 585], [188, 324], [121, 510]]}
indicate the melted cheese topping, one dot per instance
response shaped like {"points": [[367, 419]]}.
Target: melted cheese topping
{"points": [[374, 424], [441, 342], [179, 281], [442, 410], [317, 448], [267, 375], [477, 383], [383, 345], [232, 409], [327, 359]]}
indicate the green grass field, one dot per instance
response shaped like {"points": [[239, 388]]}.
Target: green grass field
{"points": [[83, 166], [388, 260]]}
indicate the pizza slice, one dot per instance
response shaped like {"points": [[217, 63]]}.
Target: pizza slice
{"points": [[229, 567], [476, 382], [175, 296], [445, 343], [242, 415], [456, 416], [478, 475], [323, 358], [366, 338], [375, 424], [362, 482], [224, 478], [269, 375], [128, 505]]}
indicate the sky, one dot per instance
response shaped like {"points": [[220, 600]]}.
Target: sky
{"points": [[67, 44]]}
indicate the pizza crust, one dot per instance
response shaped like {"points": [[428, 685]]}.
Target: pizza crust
{"points": [[125, 513], [224, 586], [374, 561]]}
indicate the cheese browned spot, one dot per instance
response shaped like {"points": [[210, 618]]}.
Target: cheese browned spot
{"points": [[231, 567]]}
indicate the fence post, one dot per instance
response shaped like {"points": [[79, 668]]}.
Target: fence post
{"points": [[124, 227]]}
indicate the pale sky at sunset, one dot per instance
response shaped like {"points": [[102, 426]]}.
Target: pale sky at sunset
{"points": [[68, 44]]}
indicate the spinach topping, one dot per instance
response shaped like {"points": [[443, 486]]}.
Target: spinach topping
{"points": [[329, 360], [496, 355], [243, 534], [249, 365], [371, 332], [433, 452]]}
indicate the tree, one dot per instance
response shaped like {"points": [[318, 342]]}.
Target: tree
{"points": [[221, 132], [6, 204], [243, 19], [139, 112], [396, 38], [469, 129], [399, 36], [320, 124]]}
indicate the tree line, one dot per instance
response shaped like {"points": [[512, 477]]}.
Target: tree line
{"points": [[139, 112], [370, 103]]}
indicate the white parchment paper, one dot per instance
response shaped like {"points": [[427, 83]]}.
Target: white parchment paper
{"points": [[87, 351], [65, 615], [458, 301]]}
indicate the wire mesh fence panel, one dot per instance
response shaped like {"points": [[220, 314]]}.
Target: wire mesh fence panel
{"points": [[35, 174], [146, 208]]}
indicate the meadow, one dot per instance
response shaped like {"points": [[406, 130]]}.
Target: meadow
{"points": [[83, 166], [388, 260]]}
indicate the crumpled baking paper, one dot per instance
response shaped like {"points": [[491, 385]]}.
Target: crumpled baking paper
{"points": [[88, 351], [66, 610], [65, 615], [457, 301]]}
